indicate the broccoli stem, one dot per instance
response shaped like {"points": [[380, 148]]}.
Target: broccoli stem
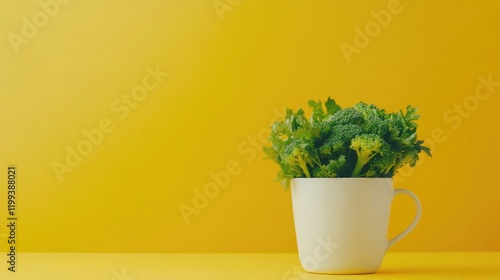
{"points": [[357, 168], [363, 159], [303, 165]]}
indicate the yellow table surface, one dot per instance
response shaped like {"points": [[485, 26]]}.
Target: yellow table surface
{"points": [[279, 266]]}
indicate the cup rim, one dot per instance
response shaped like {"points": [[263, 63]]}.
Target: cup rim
{"points": [[344, 178]]}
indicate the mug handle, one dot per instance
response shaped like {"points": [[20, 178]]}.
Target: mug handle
{"points": [[415, 220]]}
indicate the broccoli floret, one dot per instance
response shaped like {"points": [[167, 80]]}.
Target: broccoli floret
{"points": [[375, 125], [346, 116], [409, 156], [368, 110], [366, 146], [382, 164], [297, 156], [341, 136], [374, 118]]}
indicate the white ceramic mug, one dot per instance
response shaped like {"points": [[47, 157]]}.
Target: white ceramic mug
{"points": [[341, 224]]}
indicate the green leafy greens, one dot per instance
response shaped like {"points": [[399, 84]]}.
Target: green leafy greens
{"points": [[360, 141]]}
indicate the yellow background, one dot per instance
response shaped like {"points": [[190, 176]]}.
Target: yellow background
{"points": [[228, 76]]}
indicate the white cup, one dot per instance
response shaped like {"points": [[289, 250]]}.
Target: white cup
{"points": [[341, 224]]}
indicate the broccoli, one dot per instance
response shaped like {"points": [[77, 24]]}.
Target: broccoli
{"points": [[339, 139], [366, 146], [375, 125], [330, 170], [368, 110], [360, 141], [409, 156], [296, 159], [346, 116], [383, 163]]}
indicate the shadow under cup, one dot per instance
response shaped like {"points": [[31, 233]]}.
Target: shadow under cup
{"points": [[341, 224]]}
